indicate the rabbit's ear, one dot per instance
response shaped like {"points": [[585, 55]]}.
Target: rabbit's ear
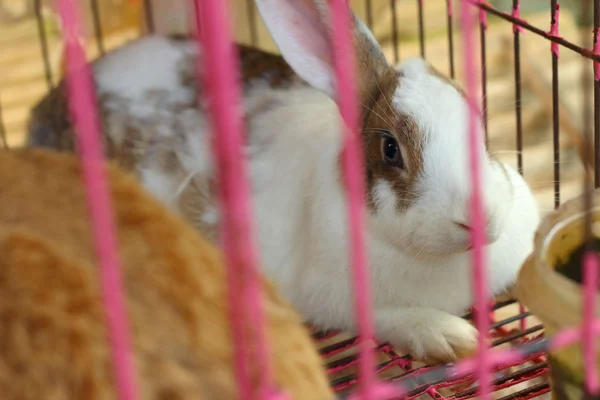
{"points": [[301, 29]]}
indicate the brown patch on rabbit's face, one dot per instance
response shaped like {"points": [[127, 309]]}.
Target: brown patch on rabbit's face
{"points": [[377, 83], [381, 122]]}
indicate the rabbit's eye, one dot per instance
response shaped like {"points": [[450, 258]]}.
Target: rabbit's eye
{"points": [[390, 151]]}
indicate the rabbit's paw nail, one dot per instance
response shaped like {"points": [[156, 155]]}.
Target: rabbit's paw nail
{"points": [[442, 341]]}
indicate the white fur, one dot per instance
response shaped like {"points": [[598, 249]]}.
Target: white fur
{"points": [[143, 79], [430, 226], [421, 274], [150, 63]]}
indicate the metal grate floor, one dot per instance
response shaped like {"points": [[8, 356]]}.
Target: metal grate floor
{"points": [[524, 380]]}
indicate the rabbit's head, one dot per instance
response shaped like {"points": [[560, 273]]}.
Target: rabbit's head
{"points": [[414, 125]]}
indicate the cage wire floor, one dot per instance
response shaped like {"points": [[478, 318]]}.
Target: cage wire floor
{"points": [[22, 83], [523, 380]]}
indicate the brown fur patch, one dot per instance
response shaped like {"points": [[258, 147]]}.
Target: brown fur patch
{"points": [[255, 64], [259, 64], [377, 83], [370, 61], [50, 124], [380, 115]]}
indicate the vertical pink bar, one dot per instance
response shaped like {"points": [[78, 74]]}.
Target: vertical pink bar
{"points": [[597, 51], [352, 162], [590, 279], [483, 15], [477, 217], [219, 69], [554, 31], [516, 12], [82, 107], [523, 321]]}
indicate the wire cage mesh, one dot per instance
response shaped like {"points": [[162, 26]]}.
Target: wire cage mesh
{"points": [[515, 70], [522, 379]]}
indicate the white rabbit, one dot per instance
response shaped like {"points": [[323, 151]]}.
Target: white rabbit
{"points": [[414, 125]]}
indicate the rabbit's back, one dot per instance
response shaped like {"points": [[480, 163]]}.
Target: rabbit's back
{"points": [[147, 93]]}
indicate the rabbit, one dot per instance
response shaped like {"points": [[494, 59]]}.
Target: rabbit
{"points": [[53, 336], [413, 133]]}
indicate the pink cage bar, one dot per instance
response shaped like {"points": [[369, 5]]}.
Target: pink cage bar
{"points": [[240, 250]]}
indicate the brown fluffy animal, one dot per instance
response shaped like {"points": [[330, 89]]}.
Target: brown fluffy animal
{"points": [[53, 342]]}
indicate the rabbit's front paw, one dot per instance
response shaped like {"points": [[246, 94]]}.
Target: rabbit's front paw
{"points": [[428, 335]]}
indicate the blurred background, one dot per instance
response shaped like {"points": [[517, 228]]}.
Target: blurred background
{"points": [[23, 78]]}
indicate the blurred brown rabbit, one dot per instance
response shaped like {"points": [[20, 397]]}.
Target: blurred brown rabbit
{"points": [[53, 342]]}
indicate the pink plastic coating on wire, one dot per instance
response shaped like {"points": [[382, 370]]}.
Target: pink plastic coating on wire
{"points": [[597, 51], [477, 217], [590, 280], [554, 31], [233, 284], [569, 336], [352, 164], [516, 13], [450, 8], [81, 99], [218, 69], [483, 15]]}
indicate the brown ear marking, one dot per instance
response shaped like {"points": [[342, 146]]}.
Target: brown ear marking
{"points": [[373, 69]]}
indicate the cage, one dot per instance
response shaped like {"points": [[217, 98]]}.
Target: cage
{"points": [[534, 96]]}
